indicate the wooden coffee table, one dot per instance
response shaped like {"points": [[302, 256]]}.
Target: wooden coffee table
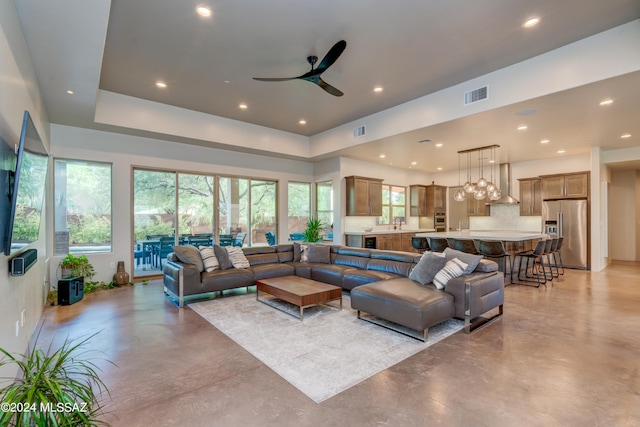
{"points": [[298, 291]]}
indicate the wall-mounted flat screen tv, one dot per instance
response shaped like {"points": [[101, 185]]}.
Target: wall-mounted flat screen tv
{"points": [[7, 172], [27, 189]]}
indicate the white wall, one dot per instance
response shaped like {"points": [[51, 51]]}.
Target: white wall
{"points": [[19, 92], [124, 152]]}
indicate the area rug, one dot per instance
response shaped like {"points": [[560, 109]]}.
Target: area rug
{"points": [[323, 355]]}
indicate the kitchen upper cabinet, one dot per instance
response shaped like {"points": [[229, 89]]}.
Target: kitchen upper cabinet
{"points": [[478, 207], [530, 197], [426, 199], [566, 186], [364, 196]]}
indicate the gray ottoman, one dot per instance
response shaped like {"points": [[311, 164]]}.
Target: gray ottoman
{"points": [[404, 302]]}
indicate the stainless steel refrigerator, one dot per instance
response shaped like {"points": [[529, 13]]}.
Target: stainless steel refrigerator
{"points": [[569, 219]]}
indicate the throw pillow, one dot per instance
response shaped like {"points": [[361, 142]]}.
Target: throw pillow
{"points": [[427, 268], [304, 253], [452, 269], [296, 252], [209, 258], [189, 255], [237, 257], [319, 253], [470, 259], [223, 257]]}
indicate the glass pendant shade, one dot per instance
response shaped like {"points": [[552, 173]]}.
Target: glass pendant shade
{"points": [[460, 196], [495, 195], [491, 187], [482, 183], [468, 187], [480, 194]]}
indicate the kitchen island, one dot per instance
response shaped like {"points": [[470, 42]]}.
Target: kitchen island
{"points": [[514, 241]]}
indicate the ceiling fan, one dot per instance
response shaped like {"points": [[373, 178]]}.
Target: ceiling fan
{"points": [[313, 76]]}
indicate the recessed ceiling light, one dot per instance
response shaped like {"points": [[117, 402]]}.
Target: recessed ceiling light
{"points": [[561, 151], [439, 144], [522, 127], [531, 22], [203, 11], [243, 106], [625, 136], [70, 92], [303, 122], [161, 85], [382, 156], [606, 102], [544, 141], [378, 89], [227, 81], [439, 169], [414, 163], [492, 161]]}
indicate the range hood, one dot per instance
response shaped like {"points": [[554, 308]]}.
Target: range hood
{"points": [[505, 187]]}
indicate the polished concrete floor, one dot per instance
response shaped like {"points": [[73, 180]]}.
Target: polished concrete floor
{"points": [[567, 354]]}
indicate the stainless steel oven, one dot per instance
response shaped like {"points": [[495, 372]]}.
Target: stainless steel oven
{"points": [[440, 221]]}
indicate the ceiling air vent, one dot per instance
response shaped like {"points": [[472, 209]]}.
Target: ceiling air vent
{"points": [[476, 95], [359, 131]]}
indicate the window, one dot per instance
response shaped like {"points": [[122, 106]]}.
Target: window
{"points": [[299, 206], [393, 204], [82, 211], [324, 203]]}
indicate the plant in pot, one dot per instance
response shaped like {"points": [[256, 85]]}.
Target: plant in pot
{"points": [[313, 230], [58, 387], [74, 266]]}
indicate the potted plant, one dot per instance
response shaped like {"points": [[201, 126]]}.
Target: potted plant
{"points": [[312, 232], [74, 266], [58, 387]]}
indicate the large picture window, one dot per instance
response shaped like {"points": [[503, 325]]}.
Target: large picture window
{"points": [[324, 203], [299, 208], [82, 211]]}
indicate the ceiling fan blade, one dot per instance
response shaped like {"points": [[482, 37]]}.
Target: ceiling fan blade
{"points": [[274, 79], [330, 89], [331, 56]]}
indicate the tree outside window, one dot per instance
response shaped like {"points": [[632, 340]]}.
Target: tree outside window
{"points": [[393, 204]]}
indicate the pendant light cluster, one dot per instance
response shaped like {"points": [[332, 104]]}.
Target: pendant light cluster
{"points": [[482, 188]]}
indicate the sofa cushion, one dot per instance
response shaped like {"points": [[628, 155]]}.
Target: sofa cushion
{"points": [[352, 279], [297, 252], [453, 268], [237, 257], [209, 258], [189, 254], [267, 271], [470, 259], [223, 257], [330, 273], [319, 253], [427, 268], [487, 266], [230, 278]]}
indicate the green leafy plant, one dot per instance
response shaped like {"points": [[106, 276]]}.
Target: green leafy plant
{"points": [[59, 387], [312, 232], [79, 266]]}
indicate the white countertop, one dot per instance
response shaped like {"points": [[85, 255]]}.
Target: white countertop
{"points": [[375, 232], [503, 235]]}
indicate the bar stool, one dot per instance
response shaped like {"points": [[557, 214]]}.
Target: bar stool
{"points": [[535, 256], [557, 257], [420, 244], [437, 244], [551, 253], [494, 249], [463, 245]]}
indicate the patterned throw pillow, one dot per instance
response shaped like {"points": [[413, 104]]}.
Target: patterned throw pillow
{"points": [[209, 258], [452, 269], [237, 257], [304, 253]]}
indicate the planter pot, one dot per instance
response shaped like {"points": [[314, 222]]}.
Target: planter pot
{"points": [[66, 272]]}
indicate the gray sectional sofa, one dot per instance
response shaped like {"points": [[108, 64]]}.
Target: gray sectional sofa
{"points": [[378, 282]]}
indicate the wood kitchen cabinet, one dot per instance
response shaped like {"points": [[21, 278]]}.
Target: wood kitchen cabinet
{"points": [[530, 196], [364, 196], [478, 207], [565, 186], [389, 242], [405, 243], [426, 199]]}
